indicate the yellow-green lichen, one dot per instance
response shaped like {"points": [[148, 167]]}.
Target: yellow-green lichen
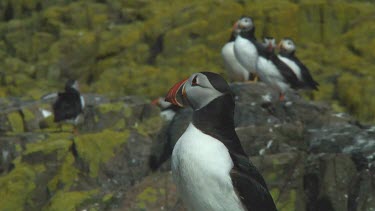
{"points": [[149, 195], [60, 147], [149, 126], [98, 148], [66, 175], [68, 201], [18, 185], [111, 107], [16, 122]]}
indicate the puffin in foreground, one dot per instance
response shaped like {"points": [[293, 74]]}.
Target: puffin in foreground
{"points": [[235, 70], [209, 165], [69, 105], [287, 50]]}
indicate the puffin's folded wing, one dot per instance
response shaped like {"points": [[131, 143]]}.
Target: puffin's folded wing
{"points": [[250, 186]]}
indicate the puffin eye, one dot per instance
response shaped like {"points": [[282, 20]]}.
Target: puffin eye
{"points": [[194, 81]]}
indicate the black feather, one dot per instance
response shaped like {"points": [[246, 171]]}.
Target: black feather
{"points": [[68, 105]]}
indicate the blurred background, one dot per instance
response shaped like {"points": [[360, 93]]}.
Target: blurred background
{"points": [[127, 52]]}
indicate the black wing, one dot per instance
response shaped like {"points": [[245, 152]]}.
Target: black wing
{"points": [[287, 73], [67, 106], [307, 78], [250, 185]]}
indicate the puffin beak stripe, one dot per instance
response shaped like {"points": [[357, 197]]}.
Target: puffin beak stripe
{"points": [[235, 26], [279, 46], [174, 91], [155, 102]]}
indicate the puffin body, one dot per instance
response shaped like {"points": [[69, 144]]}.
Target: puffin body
{"points": [[235, 70], [245, 45], [274, 72], [69, 104], [209, 166], [287, 55]]}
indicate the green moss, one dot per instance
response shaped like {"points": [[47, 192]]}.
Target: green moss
{"points": [[148, 195], [286, 202], [149, 126], [59, 146], [18, 185], [98, 148], [28, 115], [66, 175], [68, 201], [107, 198], [111, 107], [16, 122]]}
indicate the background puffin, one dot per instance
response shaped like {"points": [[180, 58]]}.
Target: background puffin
{"points": [[235, 70], [246, 45], [209, 165], [272, 71], [287, 50], [167, 109], [69, 104]]}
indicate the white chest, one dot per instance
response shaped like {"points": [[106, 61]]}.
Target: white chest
{"points": [[232, 65], [292, 66], [200, 167], [268, 72], [246, 53]]}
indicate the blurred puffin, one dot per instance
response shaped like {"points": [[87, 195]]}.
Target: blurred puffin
{"points": [[69, 105], [246, 46], [168, 110], [235, 70], [274, 72], [209, 165], [287, 50]]}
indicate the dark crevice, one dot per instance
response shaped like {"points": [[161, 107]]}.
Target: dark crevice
{"points": [[354, 50], [9, 12], [311, 188], [156, 48]]}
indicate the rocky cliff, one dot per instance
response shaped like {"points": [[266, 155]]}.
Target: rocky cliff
{"points": [[311, 157], [118, 47]]}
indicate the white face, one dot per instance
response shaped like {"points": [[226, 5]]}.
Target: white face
{"points": [[199, 91], [267, 41], [288, 45], [245, 23]]}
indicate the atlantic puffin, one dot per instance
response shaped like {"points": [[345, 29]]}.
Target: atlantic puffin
{"points": [[236, 71], [246, 45], [274, 72], [287, 50], [210, 168], [69, 104], [167, 109]]}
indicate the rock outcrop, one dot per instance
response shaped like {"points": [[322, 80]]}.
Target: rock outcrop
{"points": [[311, 157]]}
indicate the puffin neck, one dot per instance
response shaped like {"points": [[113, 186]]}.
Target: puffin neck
{"points": [[248, 34], [232, 37], [217, 117]]}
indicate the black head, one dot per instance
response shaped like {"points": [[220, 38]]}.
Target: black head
{"points": [[71, 84]]}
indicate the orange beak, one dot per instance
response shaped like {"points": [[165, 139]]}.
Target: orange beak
{"points": [[155, 101], [279, 46], [235, 26], [176, 94]]}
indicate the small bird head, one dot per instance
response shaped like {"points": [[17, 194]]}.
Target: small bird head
{"points": [[287, 45], [198, 90], [245, 23], [71, 83], [269, 43]]}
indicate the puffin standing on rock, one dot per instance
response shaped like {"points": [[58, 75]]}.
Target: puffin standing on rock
{"points": [[69, 105], [209, 165], [287, 50], [234, 68], [246, 46], [274, 72]]}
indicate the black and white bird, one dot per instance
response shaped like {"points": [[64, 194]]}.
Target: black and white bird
{"points": [[246, 46], [274, 72], [287, 50], [209, 165], [236, 71], [167, 109], [69, 104]]}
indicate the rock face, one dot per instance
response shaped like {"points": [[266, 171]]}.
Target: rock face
{"points": [[112, 45], [311, 157]]}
